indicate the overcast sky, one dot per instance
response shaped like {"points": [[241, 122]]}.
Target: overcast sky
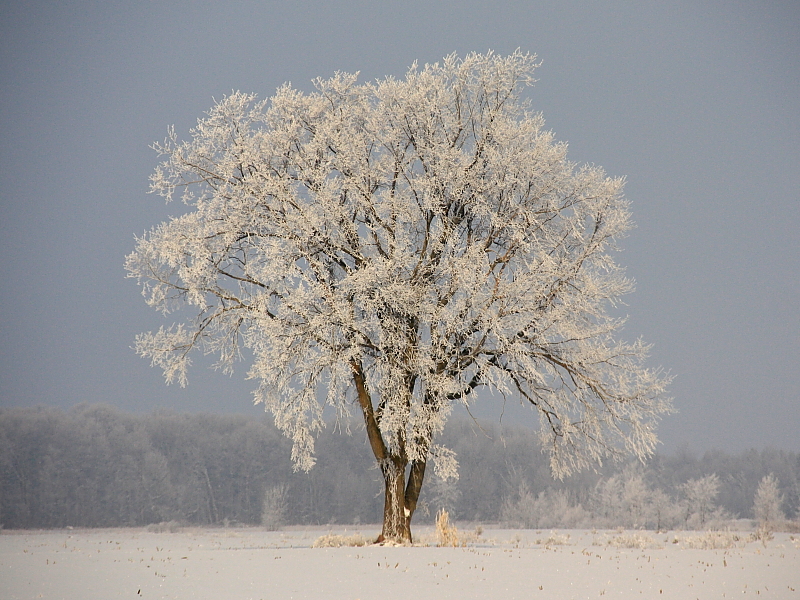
{"points": [[696, 103]]}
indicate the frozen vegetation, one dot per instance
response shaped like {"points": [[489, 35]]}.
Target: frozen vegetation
{"points": [[94, 466]]}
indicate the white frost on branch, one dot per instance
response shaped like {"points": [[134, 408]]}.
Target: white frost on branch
{"points": [[425, 232]]}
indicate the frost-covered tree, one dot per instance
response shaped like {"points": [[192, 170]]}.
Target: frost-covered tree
{"points": [[768, 502], [623, 500], [547, 509], [665, 513], [394, 246], [443, 495], [700, 500]]}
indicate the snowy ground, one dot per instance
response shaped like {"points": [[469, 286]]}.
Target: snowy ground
{"points": [[233, 564]]}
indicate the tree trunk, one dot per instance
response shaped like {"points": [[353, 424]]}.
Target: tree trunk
{"points": [[400, 499], [396, 517]]}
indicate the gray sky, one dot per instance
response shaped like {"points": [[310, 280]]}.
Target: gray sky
{"points": [[696, 103]]}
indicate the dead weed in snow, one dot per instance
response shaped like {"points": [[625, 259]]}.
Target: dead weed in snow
{"points": [[332, 540], [637, 541]]}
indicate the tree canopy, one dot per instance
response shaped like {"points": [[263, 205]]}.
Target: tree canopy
{"points": [[394, 246]]}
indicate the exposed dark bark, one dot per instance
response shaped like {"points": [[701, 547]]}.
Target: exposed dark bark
{"points": [[414, 485], [371, 423]]}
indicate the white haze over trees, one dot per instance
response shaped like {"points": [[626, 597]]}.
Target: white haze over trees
{"points": [[395, 246], [94, 466]]}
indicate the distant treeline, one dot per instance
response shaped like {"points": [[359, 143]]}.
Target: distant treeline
{"points": [[95, 466]]}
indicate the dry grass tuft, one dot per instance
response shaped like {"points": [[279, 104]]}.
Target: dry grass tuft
{"points": [[554, 539], [331, 540], [446, 534], [634, 540], [713, 540]]}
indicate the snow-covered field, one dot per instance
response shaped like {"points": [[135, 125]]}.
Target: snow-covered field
{"points": [[232, 564]]}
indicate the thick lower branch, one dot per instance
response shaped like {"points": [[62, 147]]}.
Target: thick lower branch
{"points": [[414, 486], [365, 401]]}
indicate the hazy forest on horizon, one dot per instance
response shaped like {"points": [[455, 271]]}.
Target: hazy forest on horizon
{"points": [[95, 466]]}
